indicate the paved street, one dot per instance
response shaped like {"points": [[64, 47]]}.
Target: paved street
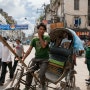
{"points": [[81, 75]]}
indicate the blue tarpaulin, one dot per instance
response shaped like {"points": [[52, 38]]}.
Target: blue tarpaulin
{"points": [[78, 45]]}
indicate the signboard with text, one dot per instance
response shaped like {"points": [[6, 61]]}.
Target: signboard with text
{"points": [[14, 27]]}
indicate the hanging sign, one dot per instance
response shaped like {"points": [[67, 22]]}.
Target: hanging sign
{"points": [[14, 27]]}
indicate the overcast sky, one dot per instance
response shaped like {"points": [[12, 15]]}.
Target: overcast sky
{"points": [[21, 9]]}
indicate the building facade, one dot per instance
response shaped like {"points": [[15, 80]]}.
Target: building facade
{"points": [[74, 14]]}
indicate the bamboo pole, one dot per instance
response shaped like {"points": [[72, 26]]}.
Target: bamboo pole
{"points": [[9, 47]]}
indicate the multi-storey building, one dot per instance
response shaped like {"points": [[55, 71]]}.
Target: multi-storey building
{"points": [[74, 14]]}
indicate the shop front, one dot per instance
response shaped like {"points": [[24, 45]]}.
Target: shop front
{"points": [[83, 33]]}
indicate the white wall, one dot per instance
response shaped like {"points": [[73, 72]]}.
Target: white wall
{"points": [[70, 12]]}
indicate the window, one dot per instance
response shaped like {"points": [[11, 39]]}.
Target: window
{"points": [[77, 21], [76, 4]]}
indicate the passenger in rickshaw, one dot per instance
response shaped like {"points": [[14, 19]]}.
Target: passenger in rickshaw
{"points": [[59, 49], [65, 43], [62, 47], [41, 56]]}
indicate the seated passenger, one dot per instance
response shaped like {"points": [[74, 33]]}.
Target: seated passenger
{"points": [[65, 43]]}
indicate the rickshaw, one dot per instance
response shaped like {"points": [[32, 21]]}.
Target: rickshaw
{"points": [[61, 63]]}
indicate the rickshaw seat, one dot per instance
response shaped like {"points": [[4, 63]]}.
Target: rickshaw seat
{"points": [[60, 51], [54, 72], [59, 54]]}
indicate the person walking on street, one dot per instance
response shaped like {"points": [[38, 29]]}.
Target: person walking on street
{"points": [[87, 58], [6, 61], [19, 50], [41, 45]]}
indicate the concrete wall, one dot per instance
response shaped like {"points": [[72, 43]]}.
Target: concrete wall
{"points": [[70, 12]]}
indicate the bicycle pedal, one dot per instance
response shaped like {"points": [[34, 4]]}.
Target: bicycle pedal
{"points": [[63, 84]]}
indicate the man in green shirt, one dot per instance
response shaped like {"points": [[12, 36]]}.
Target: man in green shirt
{"points": [[41, 46]]}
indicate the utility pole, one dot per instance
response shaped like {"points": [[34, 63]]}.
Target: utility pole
{"points": [[43, 13], [51, 9], [62, 10], [44, 10], [63, 13]]}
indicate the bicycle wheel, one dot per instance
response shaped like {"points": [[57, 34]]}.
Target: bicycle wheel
{"points": [[17, 77]]}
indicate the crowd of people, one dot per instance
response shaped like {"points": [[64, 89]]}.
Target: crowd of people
{"points": [[6, 59]]}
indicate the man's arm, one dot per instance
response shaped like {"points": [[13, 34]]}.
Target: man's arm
{"points": [[27, 53], [43, 43]]}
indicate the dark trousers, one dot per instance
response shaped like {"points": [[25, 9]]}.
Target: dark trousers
{"points": [[39, 64], [15, 64], [3, 73]]}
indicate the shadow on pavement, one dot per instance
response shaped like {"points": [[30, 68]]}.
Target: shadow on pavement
{"points": [[77, 88], [88, 87], [5, 85]]}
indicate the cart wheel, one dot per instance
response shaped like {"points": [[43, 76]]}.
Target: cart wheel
{"points": [[17, 77], [70, 83]]}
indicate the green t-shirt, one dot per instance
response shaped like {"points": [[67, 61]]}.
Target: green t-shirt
{"points": [[87, 54], [41, 53]]}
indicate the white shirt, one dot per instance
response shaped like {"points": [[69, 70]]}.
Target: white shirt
{"points": [[19, 49], [0, 49], [6, 54]]}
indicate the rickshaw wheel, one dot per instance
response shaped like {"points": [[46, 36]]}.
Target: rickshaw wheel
{"points": [[70, 83]]}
